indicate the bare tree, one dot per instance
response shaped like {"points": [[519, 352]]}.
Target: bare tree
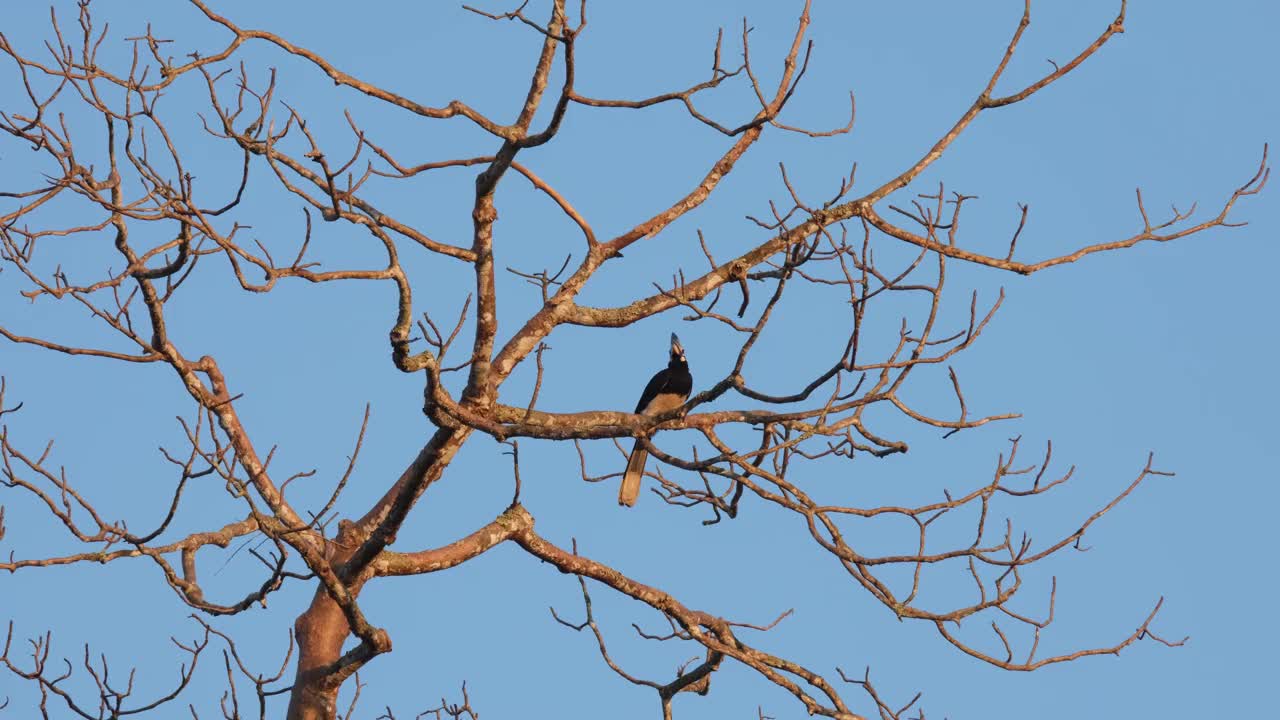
{"points": [[129, 178]]}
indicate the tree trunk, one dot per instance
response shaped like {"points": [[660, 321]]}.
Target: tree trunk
{"points": [[320, 631]]}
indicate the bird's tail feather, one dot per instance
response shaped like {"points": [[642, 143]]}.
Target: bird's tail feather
{"points": [[630, 488]]}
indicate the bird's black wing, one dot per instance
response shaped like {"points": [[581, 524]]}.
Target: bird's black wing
{"points": [[656, 385]]}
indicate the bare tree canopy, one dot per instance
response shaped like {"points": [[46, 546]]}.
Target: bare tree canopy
{"points": [[321, 337]]}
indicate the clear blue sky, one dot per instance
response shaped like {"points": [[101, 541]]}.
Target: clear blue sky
{"points": [[1159, 348]]}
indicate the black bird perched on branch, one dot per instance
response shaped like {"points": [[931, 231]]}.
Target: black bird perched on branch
{"points": [[666, 391]]}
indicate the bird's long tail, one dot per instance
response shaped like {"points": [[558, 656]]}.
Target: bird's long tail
{"points": [[630, 488]]}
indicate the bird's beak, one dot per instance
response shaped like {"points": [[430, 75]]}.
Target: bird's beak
{"points": [[677, 350]]}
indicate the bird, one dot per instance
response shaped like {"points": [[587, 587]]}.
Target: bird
{"points": [[667, 390]]}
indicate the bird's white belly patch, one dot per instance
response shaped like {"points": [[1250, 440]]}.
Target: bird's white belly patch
{"points": [[662, 404]]}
